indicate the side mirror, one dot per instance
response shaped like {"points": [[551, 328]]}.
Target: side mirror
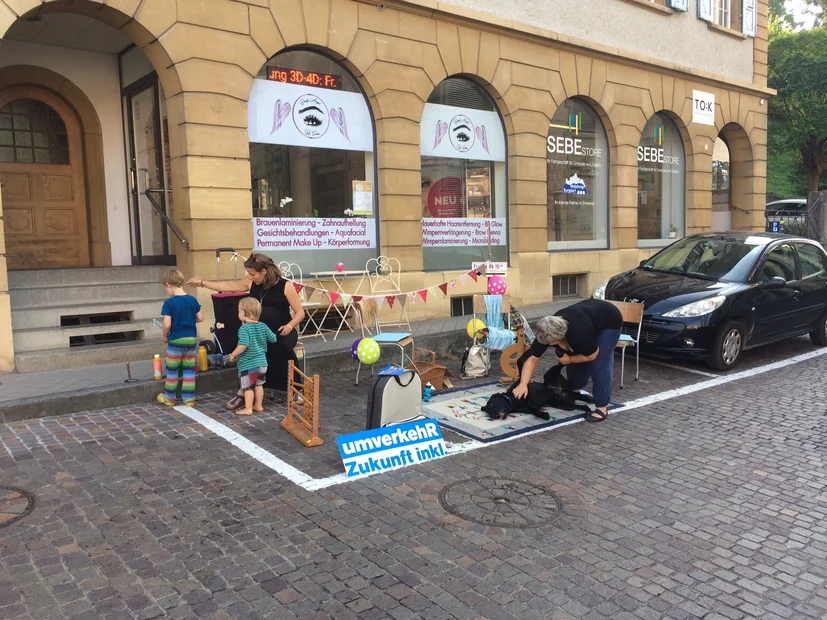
{"points": [[773, 284]]}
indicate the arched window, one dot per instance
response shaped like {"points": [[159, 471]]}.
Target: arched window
{"points": [[31, 132], [661, 182], [577, 163], [721, 199], [464, 193], [312, 163]]}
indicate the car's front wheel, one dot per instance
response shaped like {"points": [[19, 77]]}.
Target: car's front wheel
{"points": [[819, 334], [728, 345]]}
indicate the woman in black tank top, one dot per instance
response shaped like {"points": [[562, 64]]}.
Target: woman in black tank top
{"points": [[265, 283]]}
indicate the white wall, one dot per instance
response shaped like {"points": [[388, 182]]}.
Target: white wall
{"points": [[681, 38], [97, 76]]}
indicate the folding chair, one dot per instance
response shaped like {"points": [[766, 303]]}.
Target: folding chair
{"points": [[633, 315], [291, 271], [367, 311], [493, 323], [384, 276]]}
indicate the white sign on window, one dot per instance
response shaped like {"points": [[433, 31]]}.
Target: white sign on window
{"points": [[703, 108], [318, 233], [362, 198], [294, 115], [440, 232], [461, 133]]}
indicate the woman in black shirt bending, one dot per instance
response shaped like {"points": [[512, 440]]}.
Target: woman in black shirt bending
{"points": [[585, 335]]}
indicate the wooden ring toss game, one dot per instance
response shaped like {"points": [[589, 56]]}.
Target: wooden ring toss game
{"points": [[302, 420], [509, 357]]}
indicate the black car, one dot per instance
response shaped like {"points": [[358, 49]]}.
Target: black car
{"points": [[712, 295]]}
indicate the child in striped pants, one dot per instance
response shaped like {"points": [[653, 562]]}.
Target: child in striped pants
{"points": [[181, 312]]}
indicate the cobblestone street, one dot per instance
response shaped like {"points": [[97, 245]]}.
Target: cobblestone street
{"points": [[695, 504]]}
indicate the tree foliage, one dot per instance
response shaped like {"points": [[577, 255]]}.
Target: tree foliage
{"points": [[798, 71]]}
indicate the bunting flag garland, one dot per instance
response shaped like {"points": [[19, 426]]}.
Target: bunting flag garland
{"points": [[402, 298]]}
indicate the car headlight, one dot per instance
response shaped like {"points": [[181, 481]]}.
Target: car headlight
{"points": [[697, 308], [600, 290]]}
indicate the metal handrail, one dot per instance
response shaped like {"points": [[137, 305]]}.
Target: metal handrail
{"points": [[148, 193]]}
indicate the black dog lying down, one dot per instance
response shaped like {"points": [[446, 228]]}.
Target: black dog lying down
{"points": [[554, 391]]}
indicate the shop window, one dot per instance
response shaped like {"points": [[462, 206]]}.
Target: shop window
{"points": [[31, 132], [464, 200], [661, 179], [312, 163], [577, 161]]}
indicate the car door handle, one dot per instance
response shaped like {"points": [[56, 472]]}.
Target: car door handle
{"points": [[796, 294]]}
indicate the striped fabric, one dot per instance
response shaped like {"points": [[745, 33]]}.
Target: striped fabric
{"points": [[180, 362]]}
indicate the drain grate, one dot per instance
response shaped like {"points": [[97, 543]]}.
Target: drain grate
{"points": [[501, 502], [14, 505]]}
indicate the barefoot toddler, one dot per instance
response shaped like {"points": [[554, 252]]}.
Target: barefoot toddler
{"points": [[251, 355]]}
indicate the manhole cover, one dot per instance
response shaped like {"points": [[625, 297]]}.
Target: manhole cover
{"points": [[14, 505], [501, 502]]}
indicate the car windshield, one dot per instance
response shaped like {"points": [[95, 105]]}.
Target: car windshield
{"points": [[723, 259]]}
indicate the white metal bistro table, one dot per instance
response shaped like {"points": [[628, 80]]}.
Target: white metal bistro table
{"points": [[339, 278]]}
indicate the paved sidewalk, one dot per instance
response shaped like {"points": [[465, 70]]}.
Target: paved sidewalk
{"points": [[708, 505], [15, 386]]}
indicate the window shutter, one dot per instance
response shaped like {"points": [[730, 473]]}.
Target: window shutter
{"points": [[678, 5], [705, 8], [749, 19]]}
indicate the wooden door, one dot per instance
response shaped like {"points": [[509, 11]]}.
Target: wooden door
{"points": [[42, 180]]}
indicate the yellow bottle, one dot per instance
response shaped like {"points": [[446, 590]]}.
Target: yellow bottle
{"points": [[157, 367], [203, 362]]}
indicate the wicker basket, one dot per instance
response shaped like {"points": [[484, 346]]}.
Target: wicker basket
{"points": [[428, 370]]}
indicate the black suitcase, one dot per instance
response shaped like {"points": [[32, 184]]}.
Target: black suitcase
{"points": [[393, 399], [225, 308]]}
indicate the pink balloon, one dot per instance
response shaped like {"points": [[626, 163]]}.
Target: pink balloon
{"points": [[496, 286], [340, 267]]}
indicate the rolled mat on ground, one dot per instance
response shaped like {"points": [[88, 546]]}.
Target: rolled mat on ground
{"points": [[461, 411]]}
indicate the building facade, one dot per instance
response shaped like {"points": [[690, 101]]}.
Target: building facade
{"points": [[567, 139]]}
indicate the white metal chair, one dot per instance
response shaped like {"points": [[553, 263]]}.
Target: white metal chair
{"points": [[633, 315], [384, 276], [292, 271], [368, 311]]}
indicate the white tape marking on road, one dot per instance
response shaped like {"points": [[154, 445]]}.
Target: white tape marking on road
{"points": [[314, 484], [676, 367], [294, 475]]}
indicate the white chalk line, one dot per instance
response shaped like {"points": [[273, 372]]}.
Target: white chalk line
{"points": [[309, 483], [683, 368]]}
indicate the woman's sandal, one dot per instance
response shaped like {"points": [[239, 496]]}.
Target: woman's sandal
{"points": [[235, 403], [599, 416]]}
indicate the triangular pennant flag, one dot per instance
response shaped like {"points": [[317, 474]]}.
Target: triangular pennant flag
{"points": [[333, 296], [444, 288], [298, 287], [390, 299], [473, 275], [401, 299], [423, 294], [347, 300], [463, 279], [380, 301], [309, 291], [357, 298]]}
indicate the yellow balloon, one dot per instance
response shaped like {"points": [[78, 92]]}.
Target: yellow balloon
{"points": [[475, 325]]}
